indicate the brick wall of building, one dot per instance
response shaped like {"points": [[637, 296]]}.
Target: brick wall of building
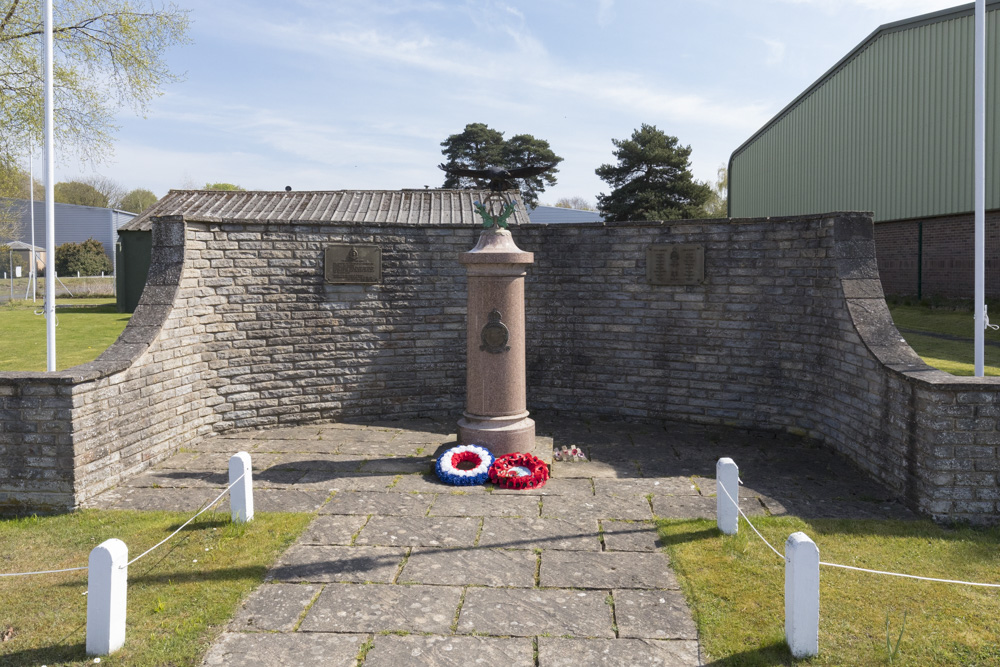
{"points": [[238, 330], [948, 256]]}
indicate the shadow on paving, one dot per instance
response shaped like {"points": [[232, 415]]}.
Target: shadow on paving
{"points": [[781, 474], [388, 533]]}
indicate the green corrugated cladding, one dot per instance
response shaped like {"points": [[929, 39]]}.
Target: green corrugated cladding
{"points": [[134, 250], [890, 132]]}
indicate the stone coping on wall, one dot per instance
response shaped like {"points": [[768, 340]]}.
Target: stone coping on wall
{"points": [[93, 398], [144, 325]]}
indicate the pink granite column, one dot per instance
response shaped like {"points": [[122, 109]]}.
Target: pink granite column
{"points": [[496, 413]]}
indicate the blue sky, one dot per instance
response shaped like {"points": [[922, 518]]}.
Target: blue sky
{"points": [[358, 94]]}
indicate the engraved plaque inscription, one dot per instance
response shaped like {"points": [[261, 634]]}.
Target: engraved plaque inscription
{"points": [[349, 263], [675, 264]]}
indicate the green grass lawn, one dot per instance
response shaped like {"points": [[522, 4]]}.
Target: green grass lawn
{"points": [[735, 585], [179, 596], [952, 356], [84, 329]]}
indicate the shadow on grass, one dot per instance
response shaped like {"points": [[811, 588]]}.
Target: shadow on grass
{"points": [[46, 655], [687, 530], [764, 656], [222, 574]]}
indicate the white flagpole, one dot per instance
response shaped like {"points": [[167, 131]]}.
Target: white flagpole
{"points": [[980, 189], [33, 274], [50, 207]]}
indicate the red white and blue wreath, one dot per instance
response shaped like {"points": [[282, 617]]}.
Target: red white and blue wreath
{"points": [[465, 465], [519, 471]]}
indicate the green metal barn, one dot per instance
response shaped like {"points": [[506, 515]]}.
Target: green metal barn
{"points": [[888, 129]]}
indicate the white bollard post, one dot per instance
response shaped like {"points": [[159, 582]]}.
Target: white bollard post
{"points": [[241, 494], [727, 478], [802, 595], [107, 584]]}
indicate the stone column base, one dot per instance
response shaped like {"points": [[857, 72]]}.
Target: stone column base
{"points": [[498, 434]]}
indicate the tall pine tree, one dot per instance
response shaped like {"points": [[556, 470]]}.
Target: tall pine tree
{"points": [[652, 180], [479, 147]]}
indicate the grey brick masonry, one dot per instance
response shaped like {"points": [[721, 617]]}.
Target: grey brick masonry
{"points": [[237, 330]]}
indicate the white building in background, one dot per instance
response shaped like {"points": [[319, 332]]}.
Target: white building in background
{"points": [[73, 223], [547, 215]]}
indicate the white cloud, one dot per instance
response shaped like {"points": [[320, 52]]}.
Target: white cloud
{"points": [[775, 51], [525, 67], [605, 12]]}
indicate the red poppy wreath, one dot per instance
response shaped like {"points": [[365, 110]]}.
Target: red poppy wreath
{"points": [[519, 471]]}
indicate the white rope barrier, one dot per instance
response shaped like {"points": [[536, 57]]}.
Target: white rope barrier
{"points": [[203, 510], [776, 552], [851, 567], [76, 569], [25, 574], [910, 576]]}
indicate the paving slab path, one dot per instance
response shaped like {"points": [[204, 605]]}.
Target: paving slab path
{"points": [[400, 569]]}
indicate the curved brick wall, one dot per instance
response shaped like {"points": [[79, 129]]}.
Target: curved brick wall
{"points": [[238, 330]]}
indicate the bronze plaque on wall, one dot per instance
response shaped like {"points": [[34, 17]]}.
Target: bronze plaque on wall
{"points": [[675, 264], [350, 263]]}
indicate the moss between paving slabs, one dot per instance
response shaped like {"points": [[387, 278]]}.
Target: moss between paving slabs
{"points": [[179, 596], [735, 586]]}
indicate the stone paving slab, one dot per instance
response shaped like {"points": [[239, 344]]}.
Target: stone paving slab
{"points": [[383, 483], [413, 531], [488, 505], [313, 461], [583, 569], [437, 651], [398, 465], [838, 509], [330, 482], [334, 563], [226, 441], [553, 487], [274, 607], [516, 612], [593, 469], [353, 434], [333, 529], [630, 536], [285, 649], [307, 432], [185, 460], [699, 507], [284, 500], [330, 464], [218, 462], [598, 507], [429, 483], [373, 450], [654, 614], [149, 498], [170, 479], [373, 502], [377, 608], [304, 448], [562, 652], [475, 567], [642, 486], [276, 478], [531, 533]]}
